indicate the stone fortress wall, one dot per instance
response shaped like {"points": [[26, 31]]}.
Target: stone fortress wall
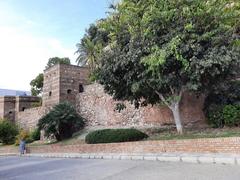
{"points": [[61, 83], [13, 106], [28, 119], [70, 83], [99, 110]]}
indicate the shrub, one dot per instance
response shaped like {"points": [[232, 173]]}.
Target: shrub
{"points": [[8, 132], [61, 122], [215, 116], [231, 115], [37, 104], [220, 116], [114, 135], [23, 135], [35, 134], [217, 100]]}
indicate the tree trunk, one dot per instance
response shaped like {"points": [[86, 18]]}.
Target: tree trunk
{"points": [[174, 106], [177, 118]]}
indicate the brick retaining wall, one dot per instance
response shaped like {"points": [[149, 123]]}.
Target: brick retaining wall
{"points": [[211, 145], [8, 149]]}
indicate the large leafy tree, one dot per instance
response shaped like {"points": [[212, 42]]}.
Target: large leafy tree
{"points": [[61, 122], [159, 49]]}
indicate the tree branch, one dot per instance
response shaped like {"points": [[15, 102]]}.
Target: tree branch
{"points": [[162, 98], [172, 91]]}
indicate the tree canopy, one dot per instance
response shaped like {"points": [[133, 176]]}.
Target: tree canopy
{"points": [[56, 60], [159, 49], [37, 85], [91, 46]]}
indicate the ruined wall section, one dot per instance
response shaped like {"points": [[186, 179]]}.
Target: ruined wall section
{"points": [[25, 102], [28, 118], [98, 107]]}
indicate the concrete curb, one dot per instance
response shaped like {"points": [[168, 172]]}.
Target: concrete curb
{"points": [[8, 154], [163, 157]]}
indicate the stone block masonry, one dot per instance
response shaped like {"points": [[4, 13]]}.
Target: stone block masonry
{"points": [[28, 119], [11, 105], [98, 108], [62, 83]]}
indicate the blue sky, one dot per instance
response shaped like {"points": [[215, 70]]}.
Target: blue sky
{"points": [[32, 31]]}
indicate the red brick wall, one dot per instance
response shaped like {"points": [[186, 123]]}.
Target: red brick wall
{"points": [[211, 145]]}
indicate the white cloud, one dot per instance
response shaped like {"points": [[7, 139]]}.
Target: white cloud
{"points": [[25, 49], [23, 56]]}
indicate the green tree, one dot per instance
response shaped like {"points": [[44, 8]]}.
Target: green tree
{"points": [[161, 49], [37, 85], [8, 131], [61, 122], [91, 46], [56, 60]]}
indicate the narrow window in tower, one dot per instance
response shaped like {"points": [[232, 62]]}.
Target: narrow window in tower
{"points": [[81, 89], [50, 93], [69, 91]]}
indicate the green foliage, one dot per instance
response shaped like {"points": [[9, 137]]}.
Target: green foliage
{"points": [[216, 100], [8, 131], [119, 107], [114, 135], [37, 104], [61, 122], [56, 60], [158, 49], [23, 135], [220, 116], [215, 116], [231, 114], [168, 47], [93, 76], [35, 134], [91, 46], [37, 85]]}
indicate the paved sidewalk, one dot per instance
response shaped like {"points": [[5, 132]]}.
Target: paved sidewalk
{"points": [[233, 159]]}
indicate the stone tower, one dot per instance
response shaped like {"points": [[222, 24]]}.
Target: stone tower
{"points": [[62, 83]]}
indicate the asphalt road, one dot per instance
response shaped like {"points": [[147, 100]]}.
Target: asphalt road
{"points": [[32, 168]]}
